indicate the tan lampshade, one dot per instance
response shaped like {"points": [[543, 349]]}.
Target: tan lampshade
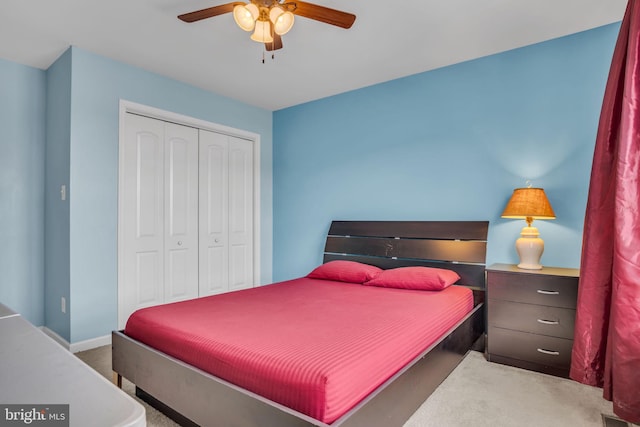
{"points": [[528, 203]]}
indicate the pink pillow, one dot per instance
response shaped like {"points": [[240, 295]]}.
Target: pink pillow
{"points": [[419, 278], [345, 271]]}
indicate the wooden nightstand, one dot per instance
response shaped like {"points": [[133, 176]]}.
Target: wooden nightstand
{"points": [[531, 316]]}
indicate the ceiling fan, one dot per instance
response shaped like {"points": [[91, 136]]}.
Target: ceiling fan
{"points": [[270, 19]]}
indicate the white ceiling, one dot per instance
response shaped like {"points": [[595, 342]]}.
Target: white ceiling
{"points": [[318, 60]]}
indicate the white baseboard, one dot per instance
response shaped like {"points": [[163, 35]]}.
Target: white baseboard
{"points": [[57, 338], [78, 346], [91, 343]]}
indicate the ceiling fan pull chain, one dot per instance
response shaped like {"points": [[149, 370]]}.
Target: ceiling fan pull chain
{"points": [[273, 42]]}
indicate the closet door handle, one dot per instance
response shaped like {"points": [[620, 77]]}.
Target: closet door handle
{"points": [[179, 242], [542, 291], [548, 322], [549, 352]]}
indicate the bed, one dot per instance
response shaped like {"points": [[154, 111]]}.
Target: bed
{"points": [[282, 368]]}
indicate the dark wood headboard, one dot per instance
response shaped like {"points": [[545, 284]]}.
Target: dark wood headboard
{"points": [[456, 245]]}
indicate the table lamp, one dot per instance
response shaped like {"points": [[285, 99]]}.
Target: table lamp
{"points": [[529, 204]]}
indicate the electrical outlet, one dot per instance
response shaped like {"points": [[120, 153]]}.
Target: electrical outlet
{"points": [[63, 305]]}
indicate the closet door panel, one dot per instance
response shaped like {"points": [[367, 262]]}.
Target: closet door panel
{"points": [[214, 217], [240, 213], [147, 276], [181, 209], [148, 188], [142, 216], [215, 276], [238, 268], [178, 280]]}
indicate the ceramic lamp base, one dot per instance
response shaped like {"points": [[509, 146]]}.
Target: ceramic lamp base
{"points": [[530, 247]]}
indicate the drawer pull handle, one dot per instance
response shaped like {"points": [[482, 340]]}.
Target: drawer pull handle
{"points": [[548, 322], [549, 352], [541, 291]]}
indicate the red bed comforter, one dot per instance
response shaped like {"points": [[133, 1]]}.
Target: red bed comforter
{"points": [[316, 346]]}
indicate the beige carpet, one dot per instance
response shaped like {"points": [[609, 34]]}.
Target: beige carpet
{"points": [[100, 360], [477, 393], [483, 394]]}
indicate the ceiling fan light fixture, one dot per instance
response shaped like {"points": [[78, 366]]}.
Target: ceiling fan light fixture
{"points": [[268, 20], [282, 21], [262, 33], [245, 15]]}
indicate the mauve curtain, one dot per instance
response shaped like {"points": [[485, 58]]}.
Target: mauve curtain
{"points": [[606, 350]]}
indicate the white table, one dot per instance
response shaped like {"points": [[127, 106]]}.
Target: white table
{"points": [[34, 369]]}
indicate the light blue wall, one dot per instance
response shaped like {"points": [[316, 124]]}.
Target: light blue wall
{"points": [[449, 144], [60, 127], [98, 84], [22, 141], [57, 250]]}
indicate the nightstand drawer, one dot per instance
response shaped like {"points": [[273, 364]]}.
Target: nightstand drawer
{"points": [[537, 319], [552, 291], [538, 349]]}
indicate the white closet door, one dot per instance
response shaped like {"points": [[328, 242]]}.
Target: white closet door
{"points": [[181, 212], [226, 213], [142, 249], [185, 214], [214, 213], [240, 213], [159, 214]]}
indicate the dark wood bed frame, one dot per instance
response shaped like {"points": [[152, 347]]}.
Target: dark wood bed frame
{"points": [[194, 397]]}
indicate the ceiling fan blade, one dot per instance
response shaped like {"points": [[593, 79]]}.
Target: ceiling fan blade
{"points": [[275, 45], [209, 12], [321, 13]]}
